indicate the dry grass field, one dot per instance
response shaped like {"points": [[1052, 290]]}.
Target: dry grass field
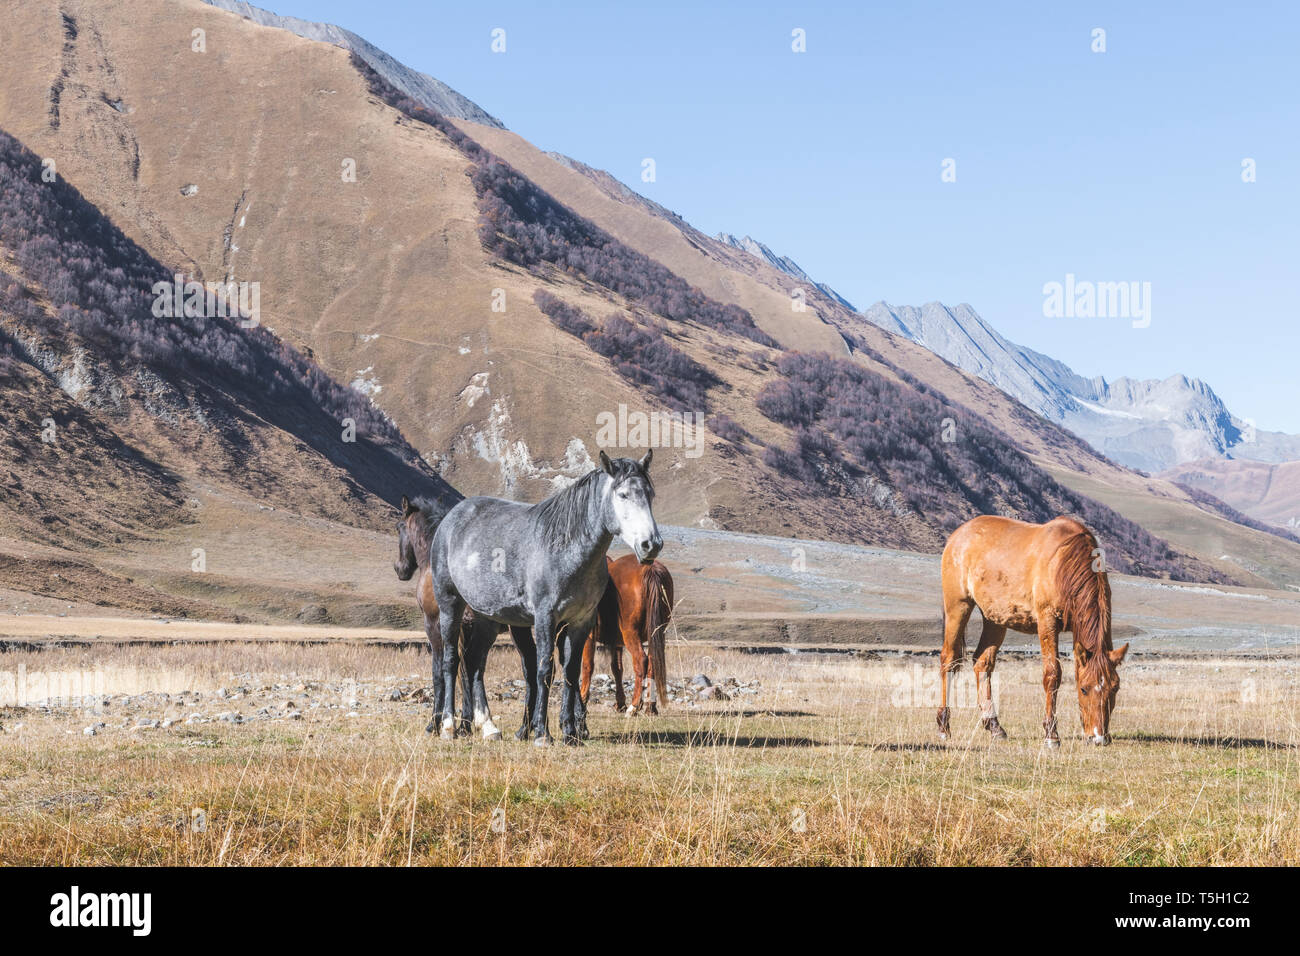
{"points": [[810, 759]]}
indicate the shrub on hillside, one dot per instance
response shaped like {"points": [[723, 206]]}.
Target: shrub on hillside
{"points": [[524, 224], [100, 286], [638, 353], [850, 420]]}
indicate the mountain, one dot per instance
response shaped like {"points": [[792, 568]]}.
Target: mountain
{"points": [[784, 263], [1151, 425], [123, 416], [424, 89], [496, 303], [1269, 492]]}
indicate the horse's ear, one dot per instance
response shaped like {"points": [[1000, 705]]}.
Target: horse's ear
{"points": [[606, 463], [406, 505], [1118, 653], [645, 461]]}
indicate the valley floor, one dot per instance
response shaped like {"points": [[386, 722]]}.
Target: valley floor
{"points": [[279, 753]]}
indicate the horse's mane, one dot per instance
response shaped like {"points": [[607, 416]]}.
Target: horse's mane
{"points": [[429, 515], [559, 518], [1085, 593]]}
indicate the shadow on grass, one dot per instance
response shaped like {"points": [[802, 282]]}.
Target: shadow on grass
{"points": [[1225, 743], [709, 738], [907, 748]]}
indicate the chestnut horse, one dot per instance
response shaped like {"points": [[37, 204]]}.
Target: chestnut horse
{"points": [[414, 534], [1032, 578], [636, 606]]}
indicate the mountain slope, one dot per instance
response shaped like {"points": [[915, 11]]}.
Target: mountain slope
{"points": [[1267, 492], [121, 422], [783, 263], [420, 279], [424, 89], [1151, 425]]}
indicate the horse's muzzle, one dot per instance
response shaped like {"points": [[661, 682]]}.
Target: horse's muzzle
{"points": [[1102, 741], [648, 550]]}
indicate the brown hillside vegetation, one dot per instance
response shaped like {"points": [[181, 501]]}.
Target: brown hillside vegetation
{"points": [[237, 166]]}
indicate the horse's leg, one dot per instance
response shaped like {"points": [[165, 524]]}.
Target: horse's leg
{"points": [[483, 637], [1047, 635], [588, 665], [955, 616], [432, 632], [523, 638], [638, 631], [986, 657], [632, 641], [450, 619], [544, 638], [616, 671], [468, 632], [572, 713]]}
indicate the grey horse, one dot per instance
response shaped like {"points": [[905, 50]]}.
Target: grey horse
{"points": [[541, 566]]}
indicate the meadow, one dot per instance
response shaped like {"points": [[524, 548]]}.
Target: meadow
{"points": [[275, 753]]}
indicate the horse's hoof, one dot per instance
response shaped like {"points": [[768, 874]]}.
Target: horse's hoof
{"points": [[448, 731], [620, 708], [1052, 743], [433, 725], [994, 728], [521, 733], [652, 710], [572, 740], [542, 740], [633, 711], [491, 731], [585, 734]]}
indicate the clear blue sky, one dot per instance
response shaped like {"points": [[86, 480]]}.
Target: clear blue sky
{"points": [[1123, 165]]}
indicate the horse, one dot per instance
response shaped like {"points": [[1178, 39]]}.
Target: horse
{"points": [[636, 607], [542, 566], [414, 536], [1032, 578]]}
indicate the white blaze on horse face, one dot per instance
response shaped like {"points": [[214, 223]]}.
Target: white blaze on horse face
{"points": [[636, 522]]}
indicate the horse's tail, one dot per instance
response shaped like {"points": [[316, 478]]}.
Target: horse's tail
{"points": [[658, 586], [1083, 588]]}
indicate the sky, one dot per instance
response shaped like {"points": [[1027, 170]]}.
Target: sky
{"points": [[1117, 166]]}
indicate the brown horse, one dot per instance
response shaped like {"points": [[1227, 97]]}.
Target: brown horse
{"points": [[414, 533], [1033, 578], [636, 606]]}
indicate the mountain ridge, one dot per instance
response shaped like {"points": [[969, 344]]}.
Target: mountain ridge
{"points": [[421, 87], [392, 280]]}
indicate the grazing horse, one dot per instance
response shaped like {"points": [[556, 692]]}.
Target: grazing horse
{"points": [[1033, 578], [636, 607], [543, 566], [414, 536]]}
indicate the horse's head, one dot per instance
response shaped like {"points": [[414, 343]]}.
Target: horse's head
{"points": [[629, 514], [1097, 678], [406, 562]]}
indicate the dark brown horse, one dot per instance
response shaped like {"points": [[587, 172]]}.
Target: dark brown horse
{"points": [[1033, 578], [636, 606], [414, 533]]}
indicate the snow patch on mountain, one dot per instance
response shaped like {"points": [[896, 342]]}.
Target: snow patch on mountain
{"points": [[1151, 424]]}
